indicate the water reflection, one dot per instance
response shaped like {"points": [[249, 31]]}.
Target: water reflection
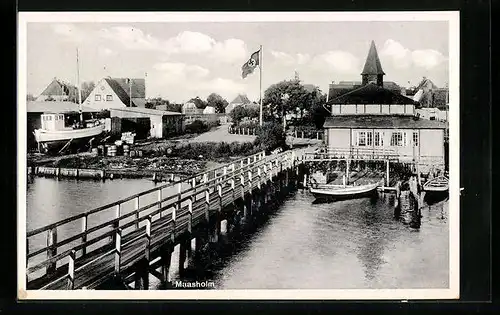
{"points": [[304, 245]]}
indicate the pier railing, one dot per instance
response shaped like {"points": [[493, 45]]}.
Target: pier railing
{"points": [[107, 239], [373, 154]]}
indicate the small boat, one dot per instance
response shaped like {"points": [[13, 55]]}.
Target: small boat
{"points": [[331, 191], [438, 184], [436, 189]]}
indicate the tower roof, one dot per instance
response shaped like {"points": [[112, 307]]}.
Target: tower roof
{"points": [[372, 63]]}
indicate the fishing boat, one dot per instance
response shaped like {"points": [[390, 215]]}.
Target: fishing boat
{"points": [[436, 189], [54, 134]]}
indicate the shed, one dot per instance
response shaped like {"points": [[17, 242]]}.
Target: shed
{"points": [[146, 122]]}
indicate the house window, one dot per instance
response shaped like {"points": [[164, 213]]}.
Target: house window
{"points": [[98, 97], [379, 139], [109, 98], [361, 139], [415, 139], [397, 139], [369, 139]]}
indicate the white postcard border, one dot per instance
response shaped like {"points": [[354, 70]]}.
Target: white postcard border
{"points": [[359, 294]]}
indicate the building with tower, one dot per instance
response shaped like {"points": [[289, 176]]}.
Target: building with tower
{"points": [[371, 118]]}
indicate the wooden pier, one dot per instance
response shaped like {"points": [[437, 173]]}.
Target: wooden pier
{"points": [[130, 239]]}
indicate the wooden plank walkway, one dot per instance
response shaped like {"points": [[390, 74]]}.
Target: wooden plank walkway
{"points": [[127, 237]]}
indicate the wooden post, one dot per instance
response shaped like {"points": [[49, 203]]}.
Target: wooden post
{"points": [[182, 256], [118, 251], [304, 185], [116, 225], [136, 213], [207, 205], [51, 249], [232, 190], [190, 209], [219, 191], [160, 198], [347, 172], [179, 196], [148, 239], [259, 182], [71, 270], [387, 178], [84, 236], [242, 183], [166, 257]]}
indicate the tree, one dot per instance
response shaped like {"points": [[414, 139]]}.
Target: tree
{"points": [[238, 113], [30, 98], [216, 101], [276, 106], [270, 136], [171, 107], [198, 102], [87, 88]]}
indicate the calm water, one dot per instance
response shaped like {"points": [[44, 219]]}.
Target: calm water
{"points": [[346, 244]]}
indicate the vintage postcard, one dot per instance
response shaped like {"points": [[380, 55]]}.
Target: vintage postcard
{"points": [[238, 156]]}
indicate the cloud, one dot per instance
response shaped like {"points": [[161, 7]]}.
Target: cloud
{"points": [[69, 32], [130, 37], [105, 51], [337, 61], [186, 42], [230, 51], [290, 60], [403, 57], [179, 70]]}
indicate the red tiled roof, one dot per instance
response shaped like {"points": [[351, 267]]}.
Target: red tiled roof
{"points": [[381, 122]]}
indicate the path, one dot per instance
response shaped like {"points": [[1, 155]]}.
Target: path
{"points": [[221, 134]]}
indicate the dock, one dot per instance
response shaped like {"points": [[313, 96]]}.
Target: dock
{"points": [[132, 244]]}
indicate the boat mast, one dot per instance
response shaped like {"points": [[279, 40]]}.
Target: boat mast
{"points": [[78, 87]]}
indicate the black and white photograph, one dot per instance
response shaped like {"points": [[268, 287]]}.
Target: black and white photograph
{"points": [[238, 156]]}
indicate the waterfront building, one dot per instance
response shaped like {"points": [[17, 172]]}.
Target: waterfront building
{"points": [[59, 91], [374, 119], [146, 122], [117, 93]]}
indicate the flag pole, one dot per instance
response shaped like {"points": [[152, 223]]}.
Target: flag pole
{"points": [[260, 83]]}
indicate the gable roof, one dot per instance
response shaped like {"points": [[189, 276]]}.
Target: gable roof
{"points": [[372, 63], [56, 107], [382, 122], [370, 94], [57, 87], [122, 89], [240, 99]]}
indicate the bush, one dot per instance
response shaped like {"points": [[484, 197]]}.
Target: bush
{"points": [[270, 136], [211, 150]]}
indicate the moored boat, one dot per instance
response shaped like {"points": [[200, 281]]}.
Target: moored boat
{"points": [[333, 191], [436, 189]]}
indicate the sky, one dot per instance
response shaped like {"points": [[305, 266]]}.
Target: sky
{"points": [[182, 60]]}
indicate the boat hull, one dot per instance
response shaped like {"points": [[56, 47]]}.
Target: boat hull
{"points": [[51, 141], [340, 192]]}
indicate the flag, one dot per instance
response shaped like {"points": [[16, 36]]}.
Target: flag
{"points": [[251, 64]]}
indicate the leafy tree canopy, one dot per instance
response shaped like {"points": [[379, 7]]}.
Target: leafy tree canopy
{"points": [[216, 101]]}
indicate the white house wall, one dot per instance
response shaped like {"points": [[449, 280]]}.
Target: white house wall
{"points": [[103, 89], [430, 142]]}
